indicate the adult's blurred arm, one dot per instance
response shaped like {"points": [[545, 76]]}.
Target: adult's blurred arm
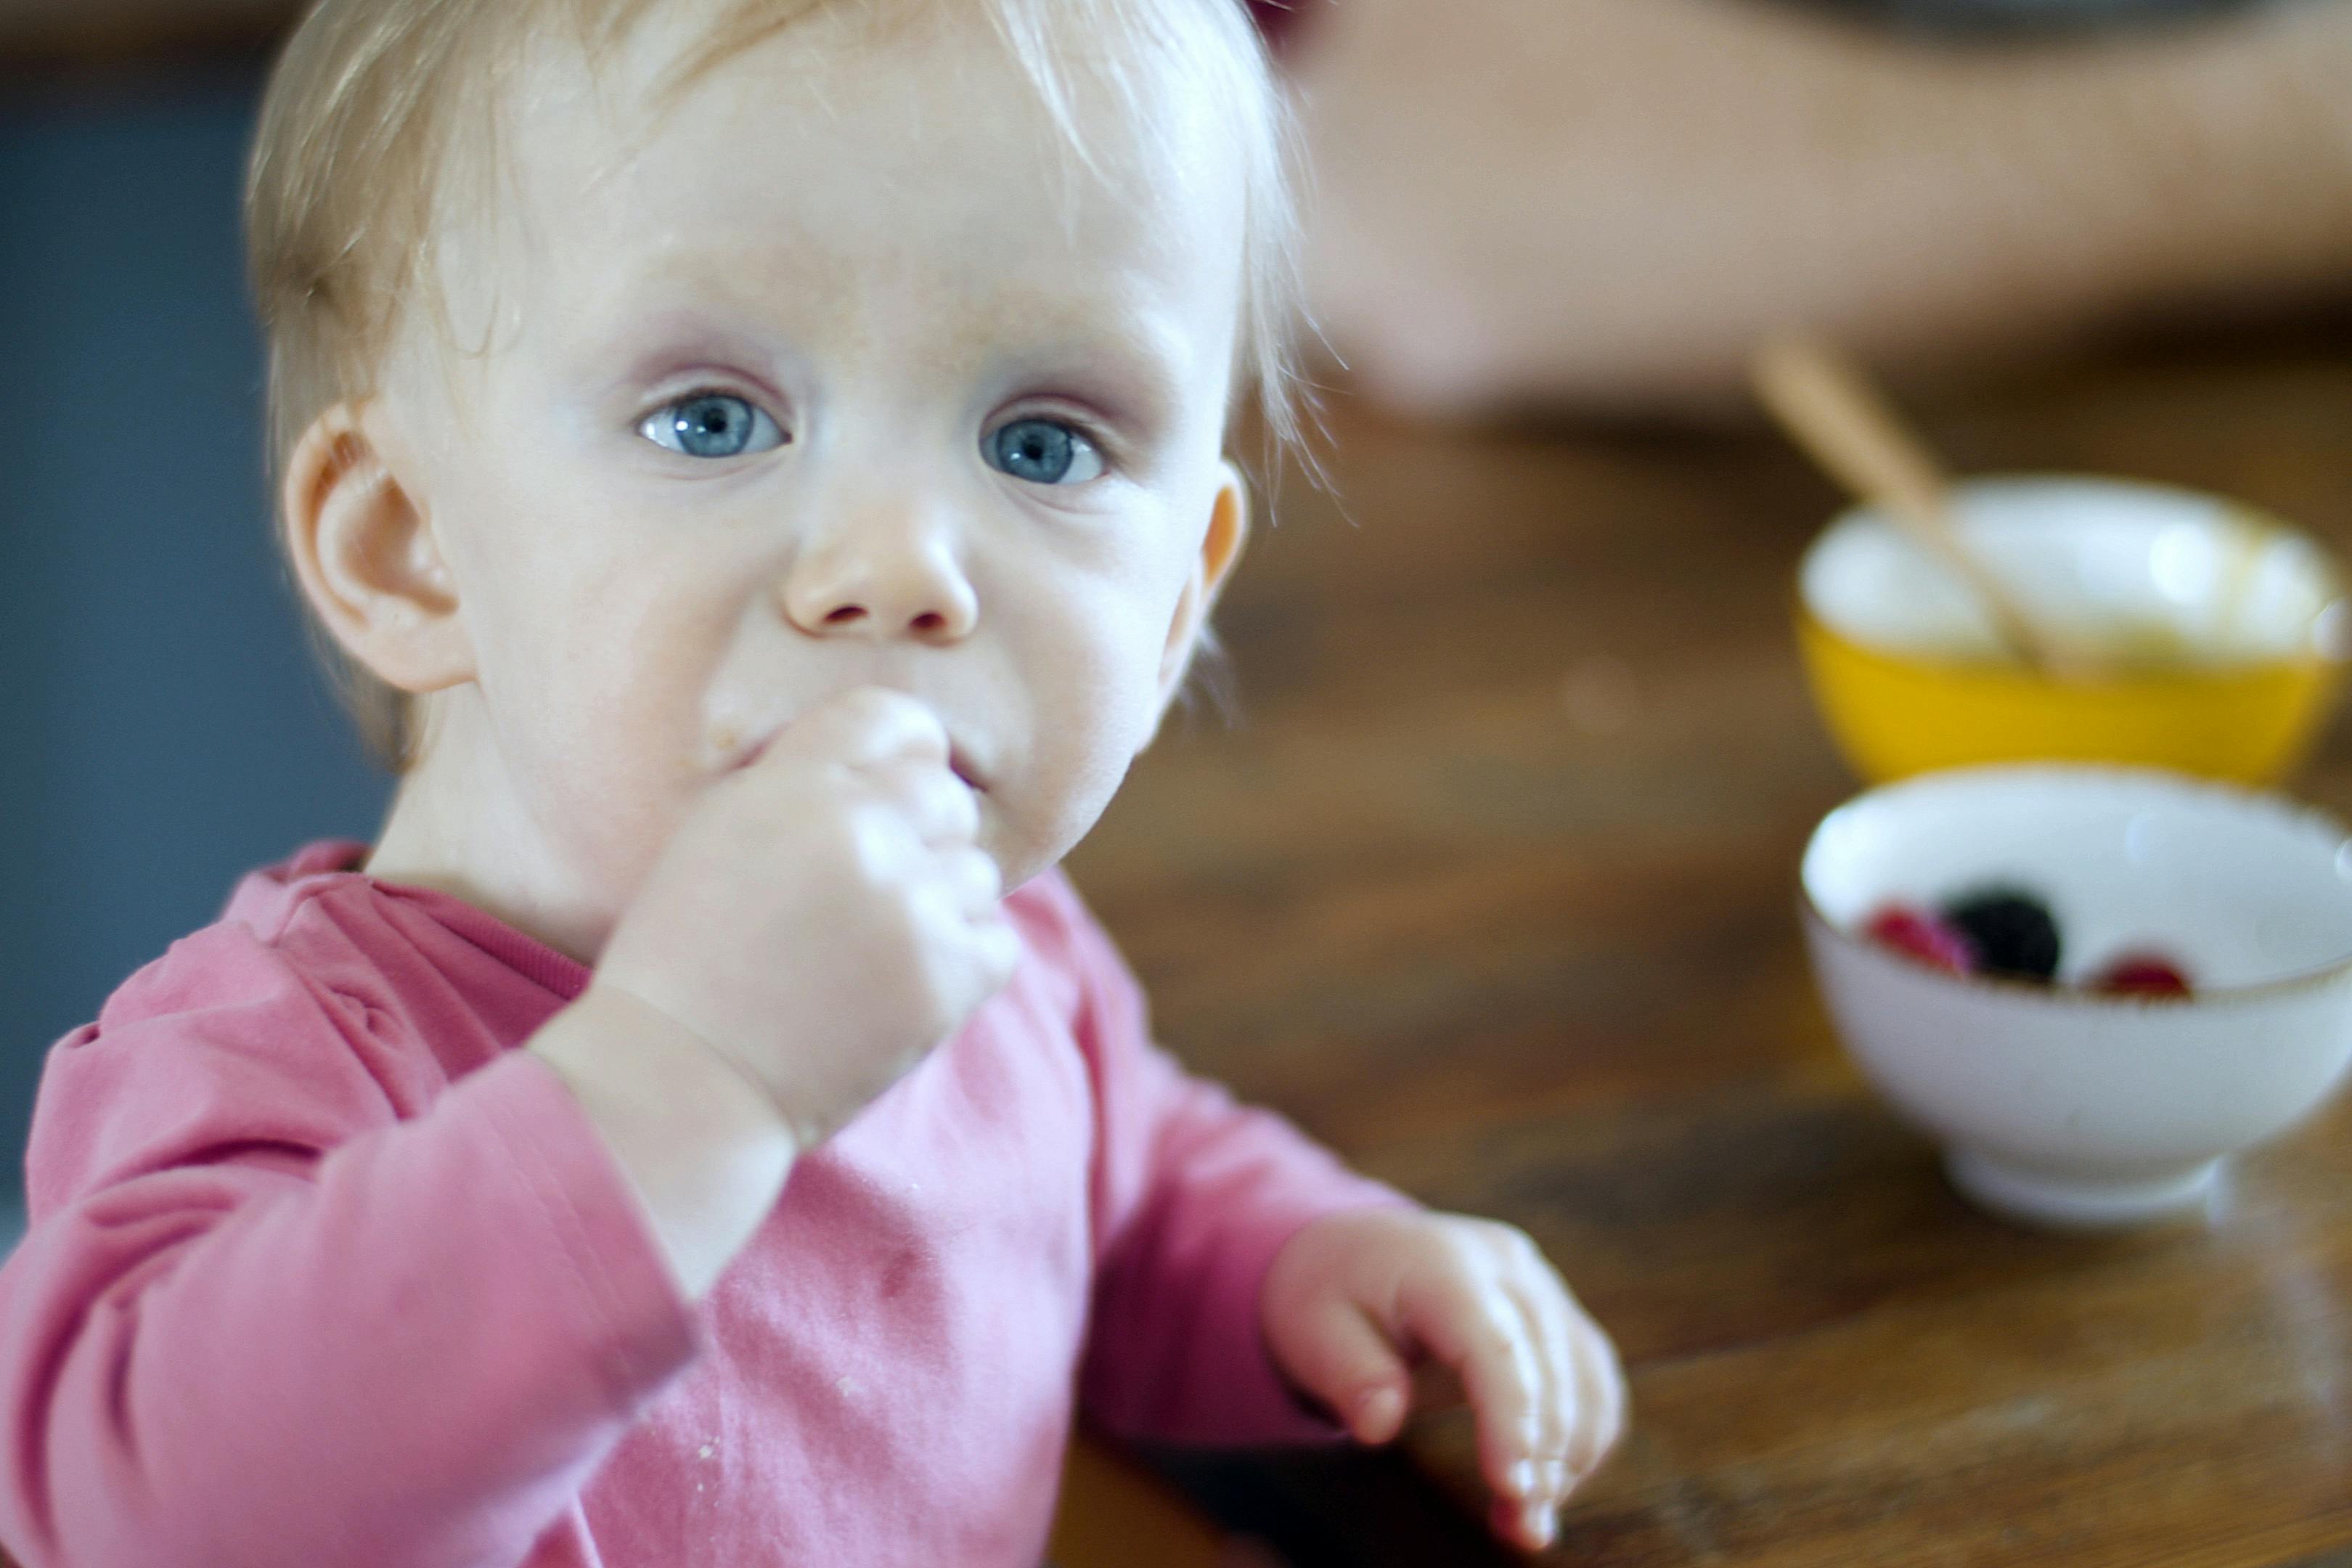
{"points": [[1600, 204]]}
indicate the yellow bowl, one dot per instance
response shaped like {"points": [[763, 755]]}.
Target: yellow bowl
{"points": [[2217, 634]]}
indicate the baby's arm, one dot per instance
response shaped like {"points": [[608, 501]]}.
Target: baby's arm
{"points": [[275, 1310], [1193, 1195], [1250, 1288], [264, 1315], [704, 1148]]}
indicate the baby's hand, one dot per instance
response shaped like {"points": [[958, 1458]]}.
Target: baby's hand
{"points": [[823, 918], [1356, 1299]]}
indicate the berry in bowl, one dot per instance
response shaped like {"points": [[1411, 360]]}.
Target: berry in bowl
{"points": [[2006, 931], [2091, 985]]}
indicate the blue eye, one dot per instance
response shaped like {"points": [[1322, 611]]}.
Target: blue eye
{"points": [[713, 425], [1043, 452]]}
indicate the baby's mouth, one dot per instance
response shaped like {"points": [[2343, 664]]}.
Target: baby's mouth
{"points": [[958, 763]]}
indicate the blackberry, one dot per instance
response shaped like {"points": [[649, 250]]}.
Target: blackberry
{"points": [[2011, 931]]}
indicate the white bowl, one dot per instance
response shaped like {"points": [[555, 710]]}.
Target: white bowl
{"points": [[2062, 1106]]}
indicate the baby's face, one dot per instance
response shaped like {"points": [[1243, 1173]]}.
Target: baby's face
{"points": [[835, 376]]}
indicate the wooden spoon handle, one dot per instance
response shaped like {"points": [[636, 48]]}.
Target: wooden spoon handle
{"points": [[1829, 406]]}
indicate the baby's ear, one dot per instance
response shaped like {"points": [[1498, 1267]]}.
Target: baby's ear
{"points": [[366, 557], [1220, 546]]}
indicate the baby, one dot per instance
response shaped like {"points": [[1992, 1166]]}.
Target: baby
{"points": [[757, 468]]}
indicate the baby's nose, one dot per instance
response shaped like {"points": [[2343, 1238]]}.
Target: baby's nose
{"points": [[852, 587]]}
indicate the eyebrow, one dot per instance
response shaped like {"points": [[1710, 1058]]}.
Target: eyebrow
{"points": [[1134, 374], [1127, 359]]}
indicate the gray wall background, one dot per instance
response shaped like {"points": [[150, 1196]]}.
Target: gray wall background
{"points": [[163, 730]]}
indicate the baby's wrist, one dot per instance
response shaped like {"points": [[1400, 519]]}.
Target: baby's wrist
{"points": [[612, 1042], [704, 1148]]}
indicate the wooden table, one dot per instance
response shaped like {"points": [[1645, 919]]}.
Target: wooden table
{"points": [[1492, 889]]}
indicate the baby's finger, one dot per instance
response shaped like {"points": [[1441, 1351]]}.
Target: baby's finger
{"points": [[870, 727], [942, 807], [1475, 1328], [1601, 1391], [996, 949], [978, 884], [1346, 1361], [1550, 1394], [1559, 1402]]}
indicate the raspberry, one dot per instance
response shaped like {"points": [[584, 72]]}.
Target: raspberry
{"points": [[2142, 975], [2011, 931], [1917, 934]]}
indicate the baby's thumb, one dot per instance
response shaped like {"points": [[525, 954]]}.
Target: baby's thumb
{"points": [[1350, 1364]]}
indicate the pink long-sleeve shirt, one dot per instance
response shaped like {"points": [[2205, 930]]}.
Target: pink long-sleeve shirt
{"points": [[321, 1270]]}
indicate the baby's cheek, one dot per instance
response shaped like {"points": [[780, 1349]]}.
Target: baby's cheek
{"points": [[604, 738], [1079, 759], [1055, 803], [1089, 666]]}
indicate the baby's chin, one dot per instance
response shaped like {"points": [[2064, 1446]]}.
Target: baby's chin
{"points": [[1027, 838], [1018, 857]]}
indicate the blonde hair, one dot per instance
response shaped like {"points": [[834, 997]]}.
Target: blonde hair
{"points": [[359, 136]]}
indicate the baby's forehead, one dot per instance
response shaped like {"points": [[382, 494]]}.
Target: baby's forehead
{"points": [[838, 162], [897, 103]]}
